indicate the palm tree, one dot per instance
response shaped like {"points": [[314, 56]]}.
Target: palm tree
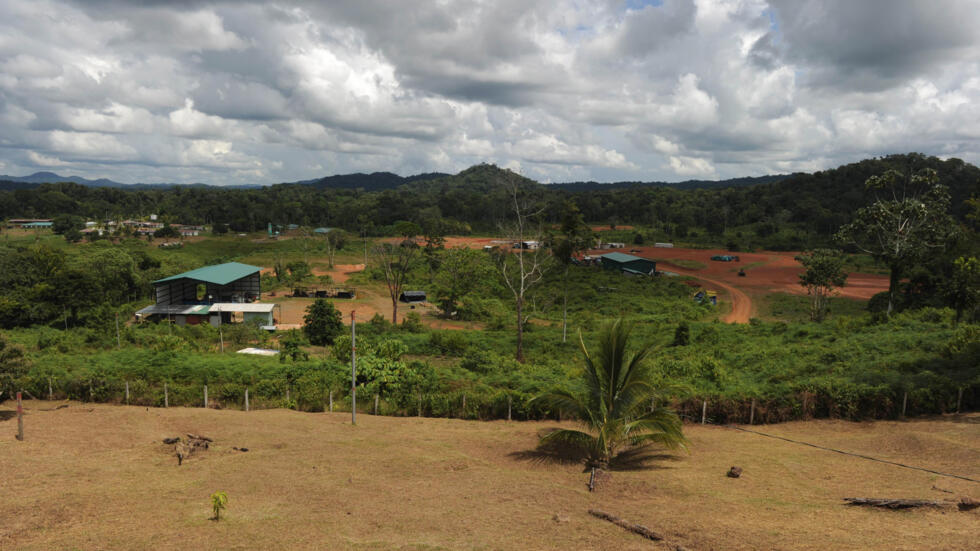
{"points": [[615, 402]]}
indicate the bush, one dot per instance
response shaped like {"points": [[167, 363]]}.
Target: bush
{"points": [[447, 343], [413, 323]]}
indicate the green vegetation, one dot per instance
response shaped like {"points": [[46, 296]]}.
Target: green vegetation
{"points": [[615, 401], [219, 500], [322, 323], [823, 272], [59, 300]]}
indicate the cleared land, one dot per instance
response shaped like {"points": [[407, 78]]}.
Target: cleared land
{"points": [[97, 476], [766, 272]]}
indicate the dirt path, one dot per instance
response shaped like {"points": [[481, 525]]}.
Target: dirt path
{"points": [[741, 302]]}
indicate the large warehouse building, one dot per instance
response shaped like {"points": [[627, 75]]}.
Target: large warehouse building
{"points": [[225, 293]]}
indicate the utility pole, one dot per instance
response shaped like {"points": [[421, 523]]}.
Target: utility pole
{"points": [[353, 371]]}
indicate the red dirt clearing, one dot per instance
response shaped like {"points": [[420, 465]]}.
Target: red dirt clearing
{"points": [[766, 272]]}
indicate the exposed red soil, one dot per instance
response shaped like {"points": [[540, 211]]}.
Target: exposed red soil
{"points": [[766, 272]]}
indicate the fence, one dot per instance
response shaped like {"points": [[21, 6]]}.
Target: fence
{"points": [[498, 404]]}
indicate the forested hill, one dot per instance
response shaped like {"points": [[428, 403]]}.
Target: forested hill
{"points": [[795, 211], [687, 184]]}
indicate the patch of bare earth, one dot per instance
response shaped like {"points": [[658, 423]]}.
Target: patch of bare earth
{"points": [[99, 477]]}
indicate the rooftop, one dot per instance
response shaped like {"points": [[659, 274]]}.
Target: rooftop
{"points": [[622, 257], [221, 274]]}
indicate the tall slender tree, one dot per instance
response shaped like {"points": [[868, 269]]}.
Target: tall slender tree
{"points": [[522, 270], [574, 236]]}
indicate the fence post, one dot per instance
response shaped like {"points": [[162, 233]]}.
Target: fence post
{"points": [[375, 404], [959, 399], [287, 393], [752, 412], [20, 419], [905, 403], [127, 392], [463, 415], [704, 411], [51, 394], [509, 402], [246, 398], [205, 396], [420, 404], [166, 395], [331, 401]]}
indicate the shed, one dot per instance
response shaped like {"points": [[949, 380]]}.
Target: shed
{"points": [[628, 263], [412, 296]]}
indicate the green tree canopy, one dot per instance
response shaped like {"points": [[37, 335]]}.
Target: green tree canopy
{"points": [[823, 273], [908, 221], [322, 323]]}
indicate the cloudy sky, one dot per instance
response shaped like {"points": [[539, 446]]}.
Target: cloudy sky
{"points": [[264, 92]]}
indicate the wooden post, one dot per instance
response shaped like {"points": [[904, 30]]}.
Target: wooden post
{"points": [[509, 403], [420, 404], [375, 404], [166, 395], [353, 362], [51, 393], [463, 416], [20, 419], [752, 412], [205, 396], [246, 398], [221, 338], [959, 399], [905, 403], [331, 400], [127, 392], [804, 406], [704, 411]]}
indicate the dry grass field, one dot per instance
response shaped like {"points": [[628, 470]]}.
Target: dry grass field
{"points": [[98, 477]]}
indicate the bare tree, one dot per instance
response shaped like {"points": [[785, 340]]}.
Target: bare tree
{"points": [[523, 269], [396, 261]]}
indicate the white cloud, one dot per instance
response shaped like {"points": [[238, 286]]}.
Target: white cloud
{"points": [[251, 92]]}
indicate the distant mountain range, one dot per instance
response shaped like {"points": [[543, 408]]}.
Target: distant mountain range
{"points": [[376, 181]]}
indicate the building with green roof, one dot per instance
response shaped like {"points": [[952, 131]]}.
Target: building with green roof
{"points": [[218, 294], [628, 263]]}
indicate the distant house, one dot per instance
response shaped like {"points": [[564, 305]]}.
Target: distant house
{"points": [[628, 263], [214, 294], [323, 231], [30, 223]]}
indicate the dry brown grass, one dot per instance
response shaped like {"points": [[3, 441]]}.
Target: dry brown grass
{"points": [[98, 477]]}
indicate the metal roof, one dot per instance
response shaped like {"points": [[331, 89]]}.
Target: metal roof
{"points": [[221, 274], [175, 309], [621, 257], [242, 307]]}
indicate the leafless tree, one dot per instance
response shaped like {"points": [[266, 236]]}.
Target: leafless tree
{"points": [[396, 261], [523, 267]]}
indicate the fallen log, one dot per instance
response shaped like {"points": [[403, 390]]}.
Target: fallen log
{"points": [[894, 504], [199, 437], [638, 529]]}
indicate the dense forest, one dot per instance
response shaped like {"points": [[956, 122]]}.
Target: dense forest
{"points": [[795, 212]]}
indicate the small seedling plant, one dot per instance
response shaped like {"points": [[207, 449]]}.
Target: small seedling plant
{"points": [[218, 502]]}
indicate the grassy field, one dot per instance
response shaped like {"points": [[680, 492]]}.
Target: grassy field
{"points": [[97, 476]]}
